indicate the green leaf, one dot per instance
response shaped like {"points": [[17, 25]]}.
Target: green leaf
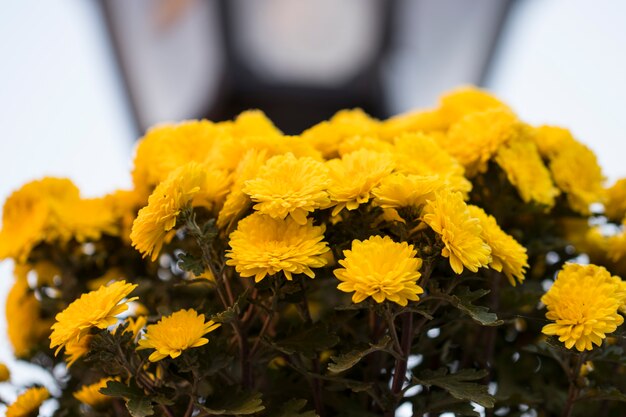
{"points": [[603, 394], [293, 408], [308, 342], [463, 300], [234, 405], [438, 402], [189, 263], [137, 403], [229, 315], [459, 385], [348, 360]]}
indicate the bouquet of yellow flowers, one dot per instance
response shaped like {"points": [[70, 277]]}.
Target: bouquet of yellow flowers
{"points": [[454, 260]]}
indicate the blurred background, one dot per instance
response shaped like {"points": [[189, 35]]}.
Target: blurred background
{"points": [[81, 80]]}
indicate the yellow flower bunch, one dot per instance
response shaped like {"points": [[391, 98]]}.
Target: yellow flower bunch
{"points": [[402, 225], [51, 210]]}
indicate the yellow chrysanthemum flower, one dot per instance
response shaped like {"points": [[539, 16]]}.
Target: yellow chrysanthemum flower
{"points": [[507, 255], [86, 219], [90, 394], [450, 218], [25, 327], [155, 223], [264, 246], [371, 143], [94, 309], [577, 173], [76, 349], [253, 123], [327, 136], [167, 147], [289, 186], [354, 176], [422, 121], [399, 190], [28, 402], [475, 138], [574, 168], [175, 333], [615, 206], [217, 184], [28, 215], [521, 162], [583, 304], [420, 154], [550, 140], [458, 103], [5, 375], [237, 202], [382, 269], [125, 204]]}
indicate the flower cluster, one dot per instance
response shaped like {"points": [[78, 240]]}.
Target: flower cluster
{"points": [[351, 247]]}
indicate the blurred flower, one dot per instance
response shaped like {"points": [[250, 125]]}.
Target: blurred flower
{"points": [[97, 308], [399, 190], [237, 202], [584, 306], [475, 138], [289, 186], [359, 142], [521, 162], [28, 403], [5, 375], [413, 122], [450, 218], [90, 394], [615, 206], [421, 154], [175, 333], [76, 349], [50, 210], [155, 223], [264, 246], [328, 136], [354, 176], [456, 104], [25, 327], [507, 255], [382, 269], [166, 148], [574, 167]]}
